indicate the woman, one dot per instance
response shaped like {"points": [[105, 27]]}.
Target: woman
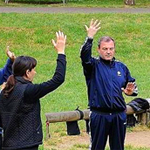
{"points": [[19, 100]]}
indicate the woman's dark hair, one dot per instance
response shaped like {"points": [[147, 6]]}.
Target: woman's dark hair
{"points": [[19, 68]]}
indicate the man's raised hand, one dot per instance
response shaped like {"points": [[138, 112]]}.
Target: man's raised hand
{"points": [[93, 28]]}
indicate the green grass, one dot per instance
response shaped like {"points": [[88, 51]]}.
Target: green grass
{"points": [[75, 3], [31, 34], [129, 147]]}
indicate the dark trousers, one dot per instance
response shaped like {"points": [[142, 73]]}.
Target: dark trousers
{"points": [[29, 148], [104, 125], [0, 141], [1, 138]]}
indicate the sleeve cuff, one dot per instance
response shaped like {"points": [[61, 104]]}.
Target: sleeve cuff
{"points": [[9, 61], [61, 56], [89, 40]]}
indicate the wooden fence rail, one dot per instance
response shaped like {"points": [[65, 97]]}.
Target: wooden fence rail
{"points": [[143, 117]]}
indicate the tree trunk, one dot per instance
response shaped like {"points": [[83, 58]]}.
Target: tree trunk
{"points": [[129, 2]]}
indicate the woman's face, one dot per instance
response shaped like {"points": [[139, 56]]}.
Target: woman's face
{"points": [[31, 74]]}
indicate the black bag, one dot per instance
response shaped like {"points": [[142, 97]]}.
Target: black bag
{"points": [[131, 120], [73, 128]]}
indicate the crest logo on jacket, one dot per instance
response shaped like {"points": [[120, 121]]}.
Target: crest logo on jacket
{"points": [[118, 73]]}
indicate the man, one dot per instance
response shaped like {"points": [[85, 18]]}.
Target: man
{"points": [[7, 70], [106, 79]]}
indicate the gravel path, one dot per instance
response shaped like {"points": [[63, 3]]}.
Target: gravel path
{"points": [[71, 10]]}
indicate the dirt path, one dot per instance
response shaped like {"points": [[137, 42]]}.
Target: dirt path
{"points": [[138, 139], [135, 139]]}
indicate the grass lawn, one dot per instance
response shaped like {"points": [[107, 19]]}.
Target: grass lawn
{"points": [[74, 3], [31, 34]]}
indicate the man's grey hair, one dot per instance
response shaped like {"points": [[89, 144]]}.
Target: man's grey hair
{"points": [[105, 39]]}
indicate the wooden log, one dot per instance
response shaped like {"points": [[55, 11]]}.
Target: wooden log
{"points": [[129, 110], [64, 116], [76, 115], [148, 118], [67, 116], [71, 116], [142, 118]]}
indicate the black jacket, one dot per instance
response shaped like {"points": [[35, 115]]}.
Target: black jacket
{"points": [[20, 113]]}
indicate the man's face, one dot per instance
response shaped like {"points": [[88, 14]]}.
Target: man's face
{"points": [[107, 50]]}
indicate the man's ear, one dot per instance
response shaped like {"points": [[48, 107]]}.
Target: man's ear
{"points": [[98, 49]]}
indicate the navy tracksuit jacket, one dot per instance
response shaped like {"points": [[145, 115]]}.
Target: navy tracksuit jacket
{"points": [[104, 81], [6, 71]]}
